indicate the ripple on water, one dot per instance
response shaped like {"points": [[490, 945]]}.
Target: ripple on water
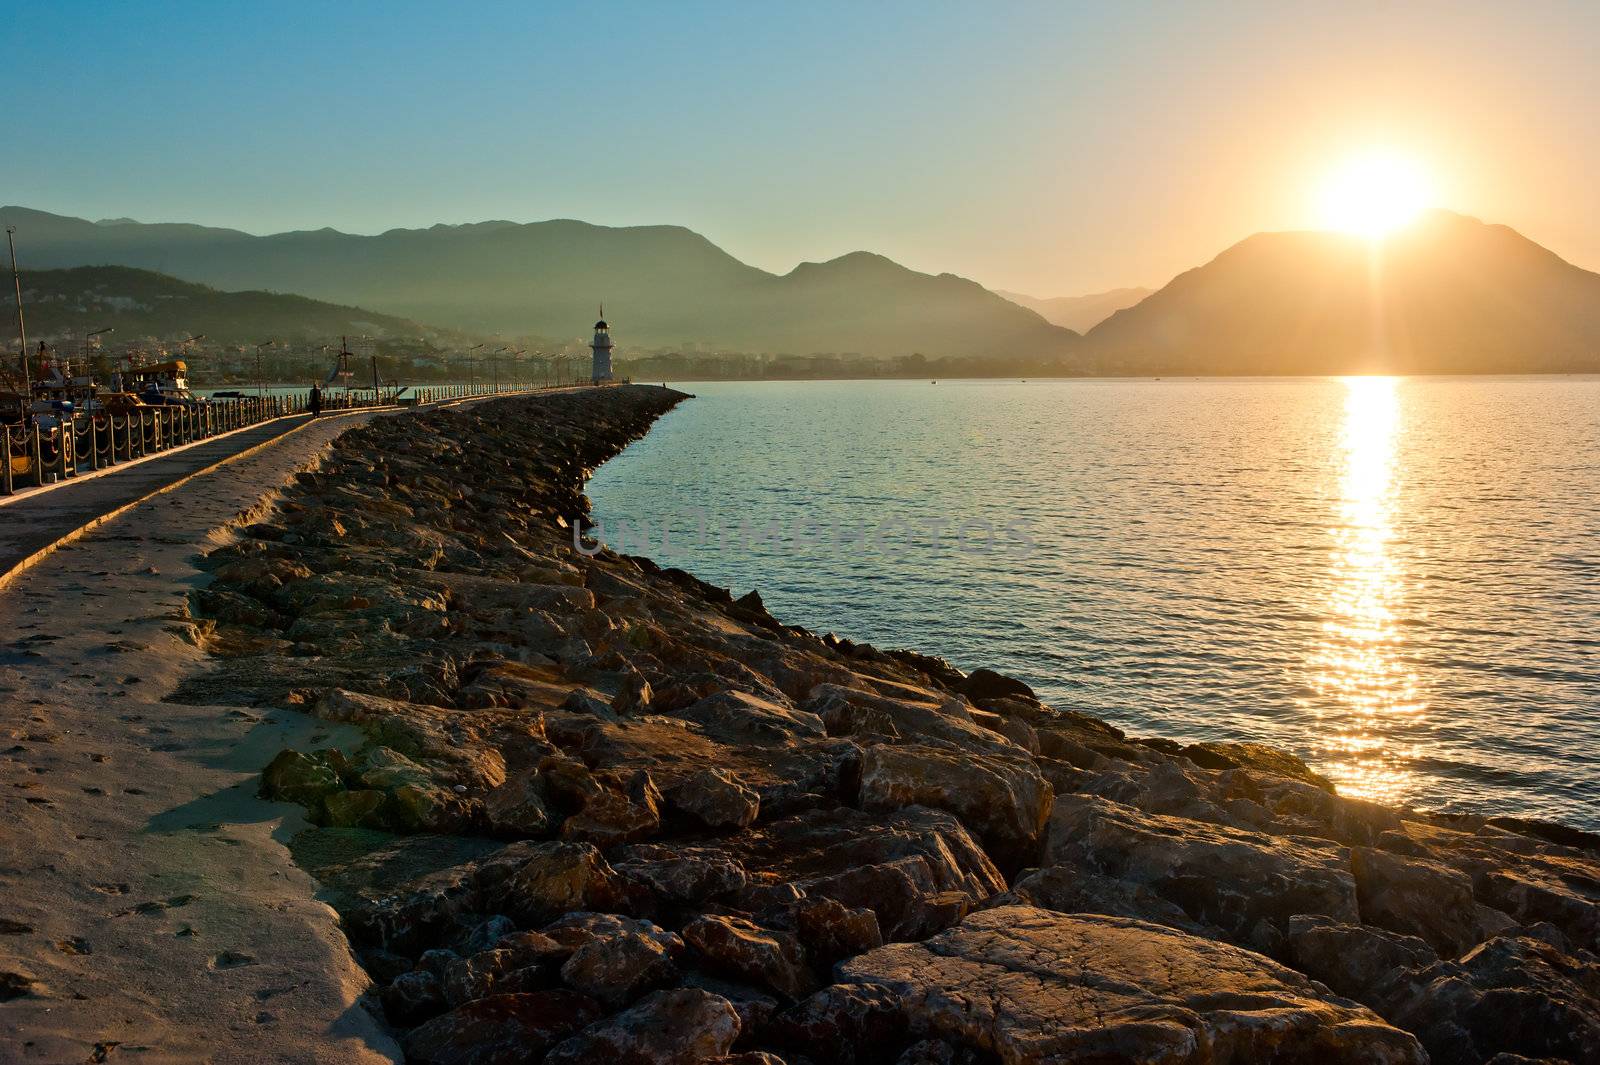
{"points": [[1394, 578]]}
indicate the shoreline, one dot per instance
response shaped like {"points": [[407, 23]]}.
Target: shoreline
{"points": [[597, 808]]}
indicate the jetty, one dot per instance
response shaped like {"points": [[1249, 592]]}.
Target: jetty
{"points": [[360, 750]]}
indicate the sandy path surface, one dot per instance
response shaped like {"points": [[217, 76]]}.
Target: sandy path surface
{"points": [[149, 911]]}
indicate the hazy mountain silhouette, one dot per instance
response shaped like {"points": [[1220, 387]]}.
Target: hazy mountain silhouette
{"points": [[662, 285], [1448, 294], [135, 303], [1078, 313]]}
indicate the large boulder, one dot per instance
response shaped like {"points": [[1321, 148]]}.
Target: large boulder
{"points": [[738, 717], [910, 868], [500, 1029], [763, 956], [1031, 986], [1511, 995], [1005, 800], [552, 879], [683, 1026], [869, 716], [617, 969], [1419, 898], [715, 798], [1246, 885]]}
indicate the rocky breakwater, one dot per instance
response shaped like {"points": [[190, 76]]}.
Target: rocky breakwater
{"points": [[608, 813]]}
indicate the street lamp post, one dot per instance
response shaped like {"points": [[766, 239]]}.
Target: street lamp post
{"points": [[261, 384], [472, 369], [88, 371], [22, 328]]}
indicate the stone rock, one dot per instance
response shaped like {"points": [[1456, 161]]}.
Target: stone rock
{"points": [[580, 928], [553, 879], [487, 934], [516, 808], [1511, 995], [412, 998], [831, 931], [1029, 985], [622, 807], [633, 696], [754, 1006], [715, 798], [1561, 888], [303, 779], [845, 1024], [987, 684], [935, 1052], [1066, 889], [468, 978], [1357, 961], [1006, 802], [739, 717], [684, 1026], [1246, 885], [1257, 756], [347, 809], [762, 956], [682, 875], [1417, 898], [921, 717], [619, 968], [900, 866], [749, 1057], [500, 1029]]}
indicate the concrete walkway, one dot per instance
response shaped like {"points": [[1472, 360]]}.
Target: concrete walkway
{"points": [[149, 910], [37, 518]]}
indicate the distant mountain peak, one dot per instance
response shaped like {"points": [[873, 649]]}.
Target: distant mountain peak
{"points": [[1079, 313]]}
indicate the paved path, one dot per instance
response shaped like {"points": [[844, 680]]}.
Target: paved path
{"points": [[150, 911], [32, 521], [145, 892]]}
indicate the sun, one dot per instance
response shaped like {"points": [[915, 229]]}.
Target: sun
{"points": [[1374, 195]]}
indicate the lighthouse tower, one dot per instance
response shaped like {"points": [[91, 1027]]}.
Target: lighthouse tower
{"points": [[601, 344]]}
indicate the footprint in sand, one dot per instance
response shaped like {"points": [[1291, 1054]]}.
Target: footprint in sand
{"points": [[232, 959], [14, 985]]}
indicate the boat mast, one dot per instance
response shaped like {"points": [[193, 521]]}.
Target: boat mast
{"points": [[22, 328]]}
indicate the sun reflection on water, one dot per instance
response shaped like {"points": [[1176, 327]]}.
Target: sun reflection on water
{"points": [[1357, 668]]}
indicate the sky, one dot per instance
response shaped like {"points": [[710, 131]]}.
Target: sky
{"points": [[1047, 148]]}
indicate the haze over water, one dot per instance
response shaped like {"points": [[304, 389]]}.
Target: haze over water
{"points": [[1395, 578]]}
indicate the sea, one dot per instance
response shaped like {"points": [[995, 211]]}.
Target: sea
{"points": [[1397, 579]]}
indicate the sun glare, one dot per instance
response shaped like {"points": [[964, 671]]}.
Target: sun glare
{"points": [[1374, 195]]}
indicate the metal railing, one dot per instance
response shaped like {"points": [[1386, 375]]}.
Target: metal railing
{"points": [[55, 448]]}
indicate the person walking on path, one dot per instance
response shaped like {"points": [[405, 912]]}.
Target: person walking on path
{"points": [[316, 400]]}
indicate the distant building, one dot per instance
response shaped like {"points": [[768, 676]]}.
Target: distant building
{"points": [[601, 345]]}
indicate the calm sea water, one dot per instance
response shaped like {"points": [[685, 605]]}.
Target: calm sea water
{"points": [[1399, 579]]}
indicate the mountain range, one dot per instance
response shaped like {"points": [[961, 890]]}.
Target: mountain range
{"points": [[136, 303], [1447, 294], [664, 285]]}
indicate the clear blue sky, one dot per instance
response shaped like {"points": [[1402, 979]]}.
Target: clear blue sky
{"points": [[1052, 148]]}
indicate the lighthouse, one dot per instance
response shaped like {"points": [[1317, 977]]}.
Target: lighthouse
{"points": [[601, 345]]}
